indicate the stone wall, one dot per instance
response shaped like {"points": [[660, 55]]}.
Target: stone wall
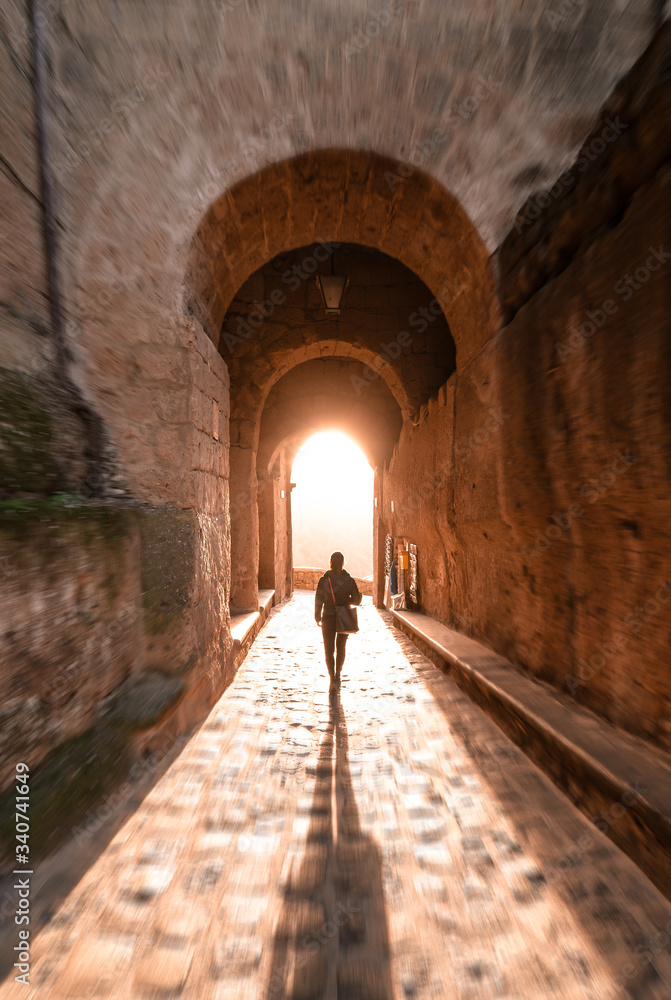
{"points": [[275, 538], [113, 630], [113, 463], [534, 487], [24, 301], [307, 578], [69, 593], [111, 605]]}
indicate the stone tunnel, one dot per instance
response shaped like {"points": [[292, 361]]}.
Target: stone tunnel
{"points": [[484, 809]]}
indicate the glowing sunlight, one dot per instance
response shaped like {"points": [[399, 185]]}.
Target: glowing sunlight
{"points": [[332, 504]]}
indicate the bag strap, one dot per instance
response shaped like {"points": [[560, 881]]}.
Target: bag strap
{"points": [[332, 594]]}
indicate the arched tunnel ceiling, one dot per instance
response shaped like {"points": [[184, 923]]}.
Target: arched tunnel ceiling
{"points": [[344, 197], [492, 101], [389, 323], [329, 394], [489, 102]]}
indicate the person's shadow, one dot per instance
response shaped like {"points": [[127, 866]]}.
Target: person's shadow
{"points": [[331, 938]]}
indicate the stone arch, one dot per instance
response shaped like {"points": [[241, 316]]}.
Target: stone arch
{"points": [[248, 401], [374, 335], [293, 442], [315, 396], [332, 196], [251, 485], [349, 196]]}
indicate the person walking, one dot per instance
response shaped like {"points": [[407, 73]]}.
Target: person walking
{"points": [[336, 587]]}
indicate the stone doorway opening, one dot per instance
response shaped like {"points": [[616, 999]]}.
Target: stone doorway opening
{"points": [[332, 506], [295, 370], [420, 303]]}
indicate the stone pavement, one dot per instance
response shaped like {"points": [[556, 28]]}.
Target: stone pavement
{"points": [[387, 844]]}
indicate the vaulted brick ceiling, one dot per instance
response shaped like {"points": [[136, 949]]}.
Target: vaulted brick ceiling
{"points": [[345, 197]]}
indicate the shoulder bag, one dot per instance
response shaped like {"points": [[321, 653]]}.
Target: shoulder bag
{"points": [[347, 622]]}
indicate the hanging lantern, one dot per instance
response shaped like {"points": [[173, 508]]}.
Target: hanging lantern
{"points": [[332, 287]]}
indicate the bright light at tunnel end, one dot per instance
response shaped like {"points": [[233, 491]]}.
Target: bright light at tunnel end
{"points": [[332, 505]]}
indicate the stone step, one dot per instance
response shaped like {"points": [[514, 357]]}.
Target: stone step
{"points": [[241, 625], [266, 598], [244, 627]]}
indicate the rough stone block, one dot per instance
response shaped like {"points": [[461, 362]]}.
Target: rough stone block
{"points": [[142, 702], [169, 552], [74, 778], [163, 970], [69, 588], [27, 461], [95, 965]]}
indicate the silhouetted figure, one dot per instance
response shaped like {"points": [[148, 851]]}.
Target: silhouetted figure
{"points": [[336, 587]]}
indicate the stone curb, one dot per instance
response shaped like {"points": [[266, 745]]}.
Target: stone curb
{"points": [[245, 628]]}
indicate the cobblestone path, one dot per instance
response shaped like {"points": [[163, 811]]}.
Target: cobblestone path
{"points": [[389, 843]]}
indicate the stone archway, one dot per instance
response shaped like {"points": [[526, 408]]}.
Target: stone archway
{"points": [[249, 478], [390, 346], [313, 396], [333, 197], [318, 395], [349, 196]]}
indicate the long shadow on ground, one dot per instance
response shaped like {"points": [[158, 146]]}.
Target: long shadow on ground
{"points": [[331, 938]]}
